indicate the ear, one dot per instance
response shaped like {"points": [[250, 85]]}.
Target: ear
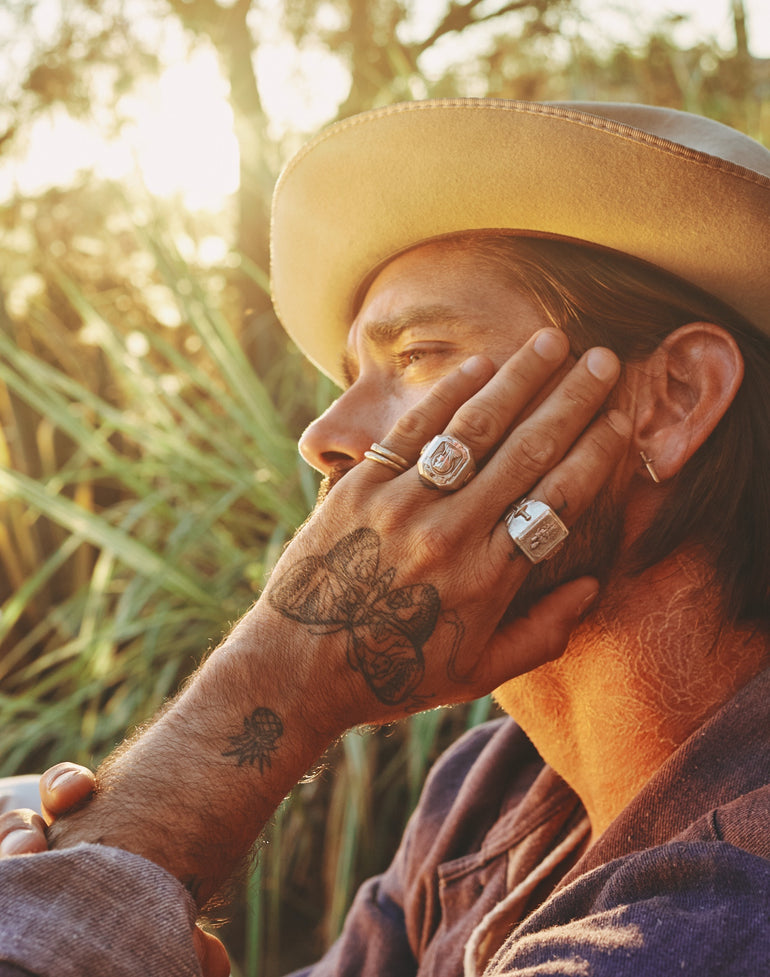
{"points": [[682, 391]]}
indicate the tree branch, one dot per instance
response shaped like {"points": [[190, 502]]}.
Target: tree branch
{"points": [[461, 15]]}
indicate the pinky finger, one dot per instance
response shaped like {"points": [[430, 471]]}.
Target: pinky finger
{"points": [[542, 635]]}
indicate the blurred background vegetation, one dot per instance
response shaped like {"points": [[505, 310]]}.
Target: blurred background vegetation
{"points": [[149, 403]]}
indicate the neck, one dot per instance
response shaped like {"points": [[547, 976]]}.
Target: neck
{"points": [[640, 675]]}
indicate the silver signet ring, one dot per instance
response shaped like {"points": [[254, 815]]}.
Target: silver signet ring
{"points": [[535, 529], [446, 463]]}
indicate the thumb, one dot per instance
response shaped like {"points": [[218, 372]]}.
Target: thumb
{"points": [[543, 634], [64, 787], [211, 954]]}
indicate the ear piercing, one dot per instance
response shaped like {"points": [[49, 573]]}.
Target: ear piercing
{"points": [[649, 465]]}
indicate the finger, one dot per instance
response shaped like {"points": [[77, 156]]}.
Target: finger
{"points": [[211, 954], [63, 787], [574, 484], [570, 487], [22, 833], [541, 636], [433, 412], [484, 420], [541, 440]]}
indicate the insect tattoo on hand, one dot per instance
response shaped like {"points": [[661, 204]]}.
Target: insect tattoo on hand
{"points": [[259, 739], [387, 627]]}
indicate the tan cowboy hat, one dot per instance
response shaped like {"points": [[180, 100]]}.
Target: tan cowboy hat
{"points": [[677, 190]]}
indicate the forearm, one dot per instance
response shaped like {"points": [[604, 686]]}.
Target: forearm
{"points": [[390, 599], [193, 791]]}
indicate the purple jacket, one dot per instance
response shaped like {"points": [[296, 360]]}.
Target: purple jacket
{"points": [[678, 885]]}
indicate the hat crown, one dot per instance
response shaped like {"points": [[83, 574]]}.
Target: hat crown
{"points": [[695, 132], [672, 189]]}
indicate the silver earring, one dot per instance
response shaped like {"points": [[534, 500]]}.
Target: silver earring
{"points": [[649, 465]]}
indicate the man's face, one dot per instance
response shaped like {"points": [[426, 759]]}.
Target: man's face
{"points": [[425, 313]]}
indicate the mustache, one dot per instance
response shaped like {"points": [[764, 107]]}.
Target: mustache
{"points": [[329, 481]]}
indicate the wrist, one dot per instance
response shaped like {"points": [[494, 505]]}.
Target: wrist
{"points": [[193, 791]]}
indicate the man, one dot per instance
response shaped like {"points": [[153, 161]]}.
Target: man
{"points": [[626, 832]]}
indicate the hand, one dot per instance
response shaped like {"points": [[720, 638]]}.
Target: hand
{"points": [[63, 787], [416, 582], [392, 597]]}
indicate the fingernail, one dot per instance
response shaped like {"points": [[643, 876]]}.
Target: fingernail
{"points": [[17, 842], [476, 367], [63, 778], [549, 345], [602, 364], [587, 603]]}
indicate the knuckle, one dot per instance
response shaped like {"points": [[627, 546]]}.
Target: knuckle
{"points": [[390, 519], [432, 545], [536, 453], [584, 399], [442, 396], [602, 448], [520, 374], [604, 444], [412, 424], [352, 491], [477, 424]]}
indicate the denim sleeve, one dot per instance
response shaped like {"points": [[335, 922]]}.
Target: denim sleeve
{"points": [[93, 910], [689, 909]]}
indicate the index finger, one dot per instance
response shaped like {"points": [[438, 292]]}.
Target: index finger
{"points": [[476, 403], [22, 832]]}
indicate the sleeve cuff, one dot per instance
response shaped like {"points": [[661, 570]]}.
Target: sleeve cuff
{"points": [[95, 910]]}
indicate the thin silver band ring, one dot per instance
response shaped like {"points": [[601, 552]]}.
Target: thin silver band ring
{"points": [[379, 453], [380, 449]]}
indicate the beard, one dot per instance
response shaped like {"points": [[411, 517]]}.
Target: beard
{"points": [[327, 484], [591, 549]]}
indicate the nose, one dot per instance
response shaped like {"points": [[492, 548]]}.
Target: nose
{"points": [[341, 435]]}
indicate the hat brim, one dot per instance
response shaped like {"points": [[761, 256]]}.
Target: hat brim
{"points": [[678, 191]]}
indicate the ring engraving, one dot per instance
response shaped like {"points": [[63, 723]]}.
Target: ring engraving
{"points": [[446, 463], [535, 528]]}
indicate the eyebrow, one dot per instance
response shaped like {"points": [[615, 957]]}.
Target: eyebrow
{"points": [[381, 333]]}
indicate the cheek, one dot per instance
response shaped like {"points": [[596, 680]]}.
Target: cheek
{"points": [[395, 402]]}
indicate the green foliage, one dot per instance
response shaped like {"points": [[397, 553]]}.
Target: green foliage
{"points": [[146, 529]]}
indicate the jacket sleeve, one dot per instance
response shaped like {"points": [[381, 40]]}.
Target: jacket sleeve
{"points": [[93, 910], [692, 909]]}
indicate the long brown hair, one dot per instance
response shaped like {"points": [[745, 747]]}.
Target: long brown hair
{"points": [[722, 496]]}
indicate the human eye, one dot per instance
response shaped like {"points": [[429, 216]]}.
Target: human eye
{"points": [[417, 358]]}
